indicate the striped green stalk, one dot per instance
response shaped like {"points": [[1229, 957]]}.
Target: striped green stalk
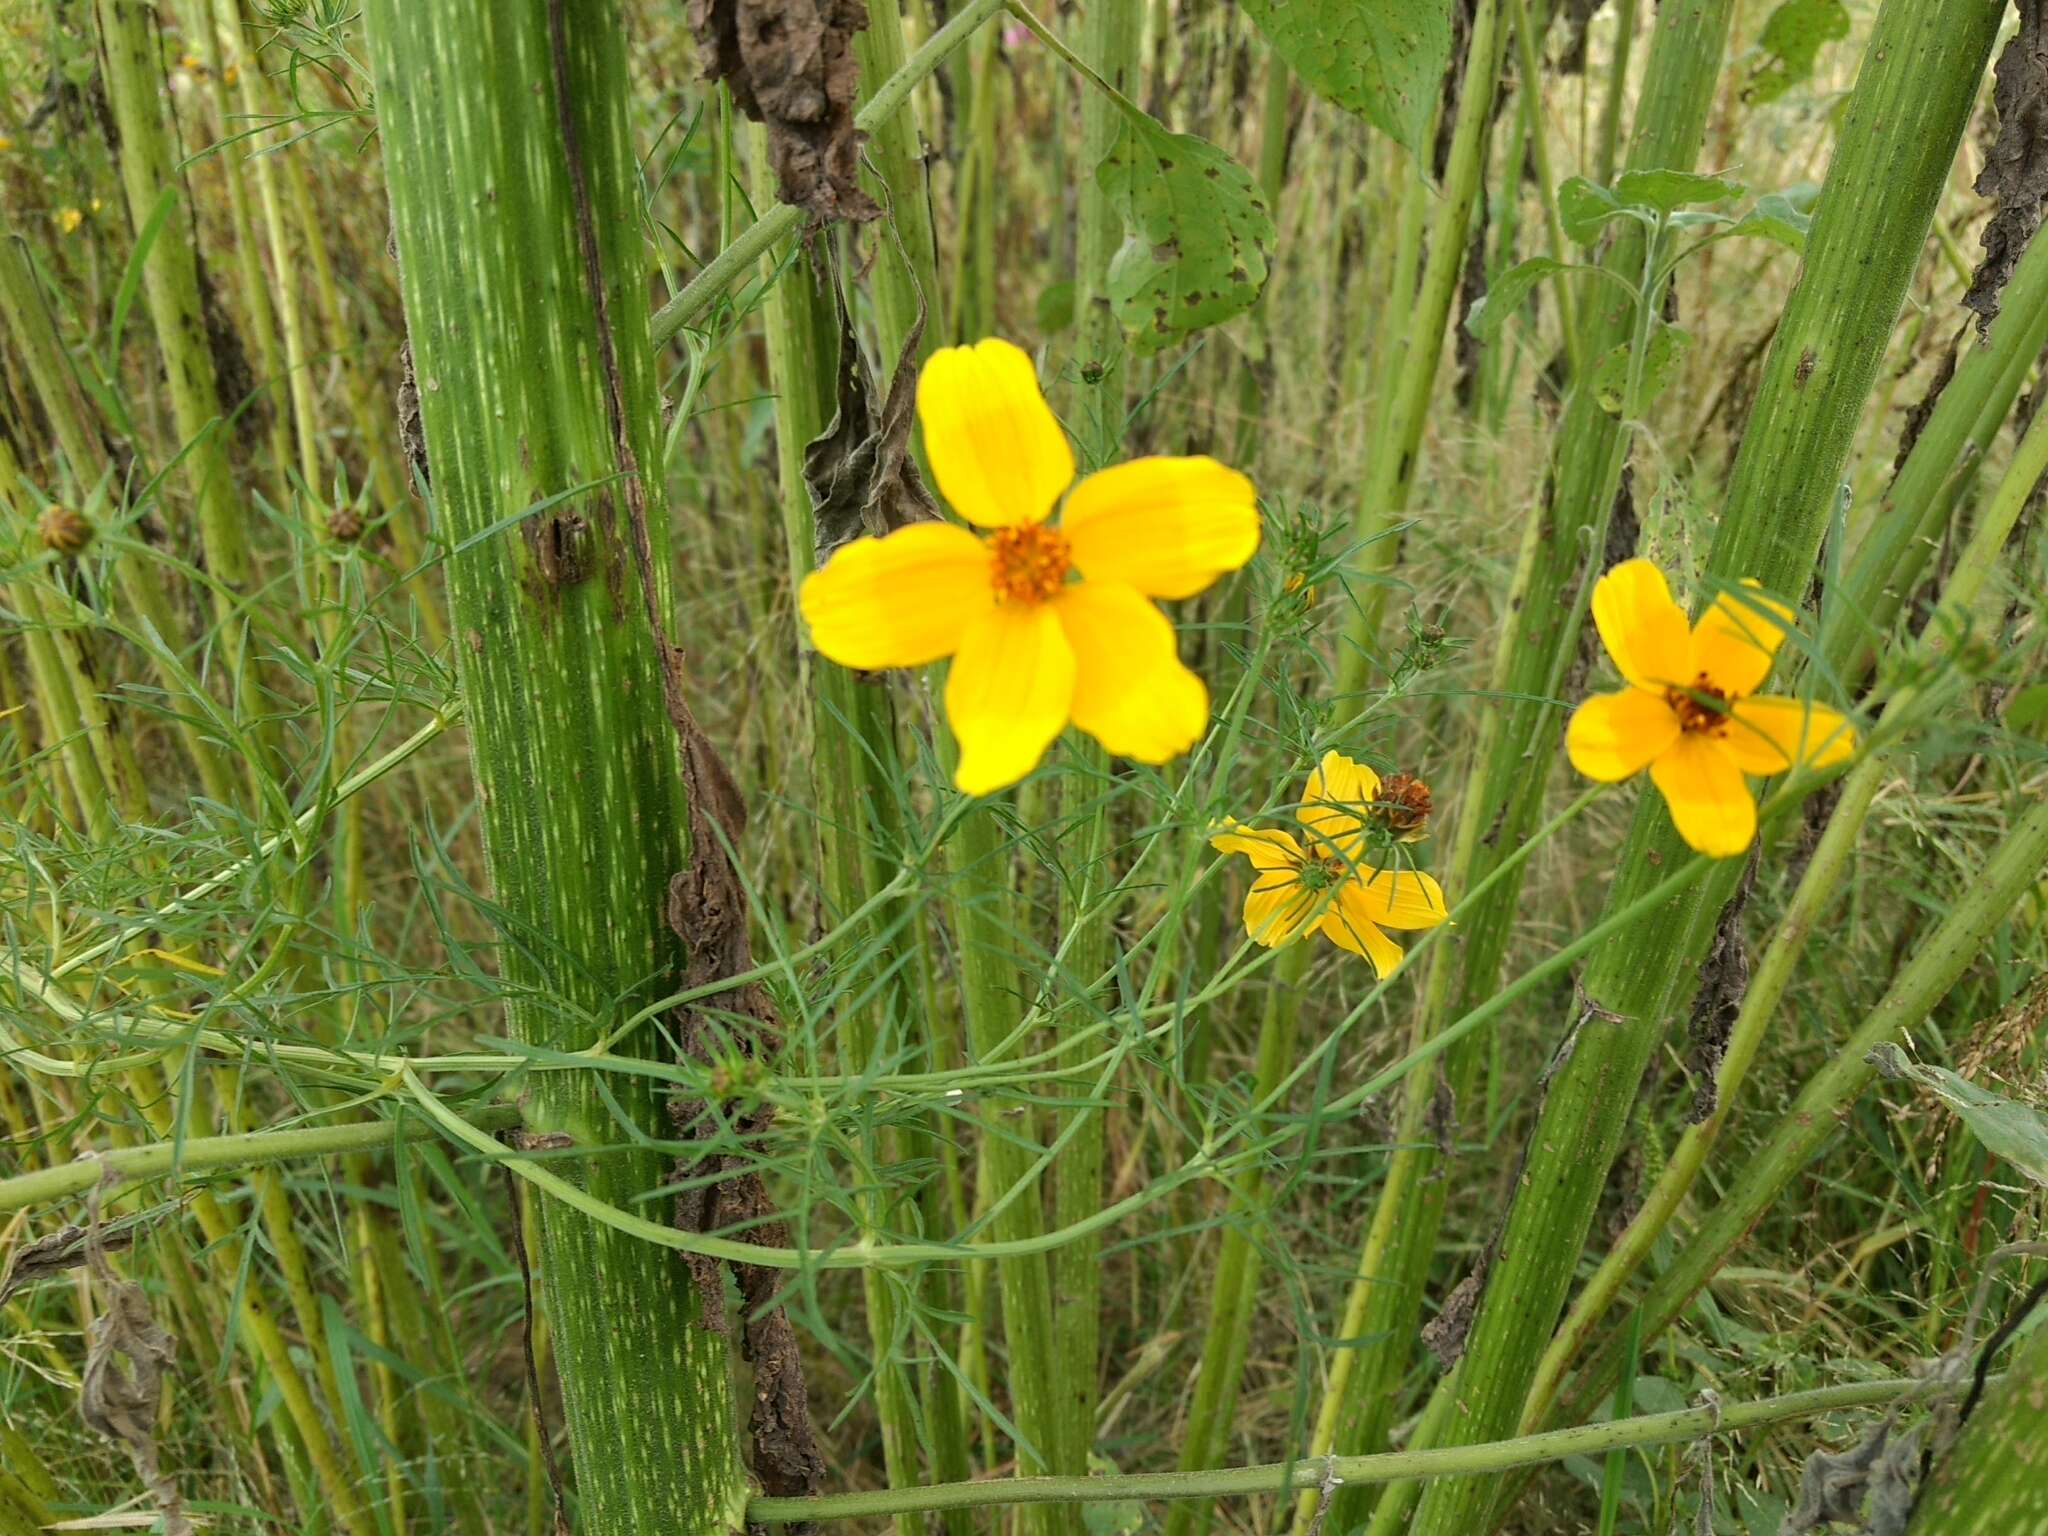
{"points": [[1986, 901], [895, 153], [1233, 1291], [1111, 37], [1897, 144], [514, 193], [850, 722], [1991, 1483], [1818, 886], [1894, 550], [1563, 545], [170, 286], [1403, 414], [28, 317], [1110, 42]]}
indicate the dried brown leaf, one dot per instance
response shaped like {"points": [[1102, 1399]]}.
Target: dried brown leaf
{"points": [[2015, 171]]}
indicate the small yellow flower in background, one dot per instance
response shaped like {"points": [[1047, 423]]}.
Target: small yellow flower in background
{"points": [[1327, 886], [1034, 648], [5, 144], [1691, 713], [68, 220]]}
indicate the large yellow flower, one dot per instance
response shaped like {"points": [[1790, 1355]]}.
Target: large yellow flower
{"points": [[1326, 886], [1691, 713], [1032, 646]]}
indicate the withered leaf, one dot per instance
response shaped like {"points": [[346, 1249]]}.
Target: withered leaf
{"points": [[2015, 172], [860, 472], [790, 67]]}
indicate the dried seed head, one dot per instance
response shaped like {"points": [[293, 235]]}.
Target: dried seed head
{"points": [[1404, 805], [344, 525], [64, 529]]}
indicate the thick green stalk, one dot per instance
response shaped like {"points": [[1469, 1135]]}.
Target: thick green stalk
{"points": [[1821, 882], [1897, 144], [1563, 544], [894, 152], [801, 321], [1894, 550], [984, 925], [27, 316], [1403, 417], [1110, 38], [1111, 35], [1991, 1482], [514, 195], [1988, 900], [170, 285], [1233, 1291]]}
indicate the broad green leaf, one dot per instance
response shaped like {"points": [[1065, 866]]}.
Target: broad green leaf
{"points": [[1667, 191], [1780, 216], [1196, 233], [2028, 708], [1583, 207], [1791, 41], [1110, 1517], [1383, 59], [1055, 307], [2014, 1131], [1662, 354], [1509, 292]]}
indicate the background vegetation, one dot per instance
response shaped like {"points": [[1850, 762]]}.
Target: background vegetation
{"points": [[388, 1145]]}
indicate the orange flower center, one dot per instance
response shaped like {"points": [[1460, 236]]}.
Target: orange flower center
{"points": [[1702, 707], [1029, 564]]}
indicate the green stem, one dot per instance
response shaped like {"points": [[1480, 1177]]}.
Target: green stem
{"points": [[1388, 1466], [515, 210], [1391, 475], [1897, 145], [1111, 33]]}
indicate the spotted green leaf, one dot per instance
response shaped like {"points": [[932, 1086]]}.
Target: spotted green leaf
{"points": [[1509, 292], [1196, 233], [1780, 216], [1791, 41], [1662, 354], [1668, 191], [1382, 59]]}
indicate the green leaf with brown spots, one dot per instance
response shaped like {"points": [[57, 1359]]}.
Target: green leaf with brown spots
{"points": [[1196, 233], [1383, 59], [1790, 43]]}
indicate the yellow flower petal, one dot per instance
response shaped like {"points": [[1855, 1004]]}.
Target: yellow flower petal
{"points": [[1334, 804], [1279, 909], [1613, 735], [1708, 797], [899, 601], [999, 456], [1348, 926], [1007, 695], [1643, 629], [1771, 735], [1168, 527], [1267, 848], [1396, 898], [1131, 692], [1735, 640]]}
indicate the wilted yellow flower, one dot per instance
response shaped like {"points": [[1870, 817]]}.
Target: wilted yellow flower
{"points": [[68, 220], [1326, 885], [1045, 624], [1691, 714]]}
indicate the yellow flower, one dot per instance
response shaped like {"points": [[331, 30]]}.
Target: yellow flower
{"points": [[68, 220], [1033, 649], [1691, 713], [5, 143], [1326, 886]]}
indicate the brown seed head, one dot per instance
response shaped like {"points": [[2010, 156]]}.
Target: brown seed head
{"points": [[64, 529], [344, 525], [1404, 805]]}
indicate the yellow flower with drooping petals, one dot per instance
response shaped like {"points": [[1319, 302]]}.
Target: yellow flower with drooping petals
{"points": [[1045, 624], [1691, 713], [1326, 886]]}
